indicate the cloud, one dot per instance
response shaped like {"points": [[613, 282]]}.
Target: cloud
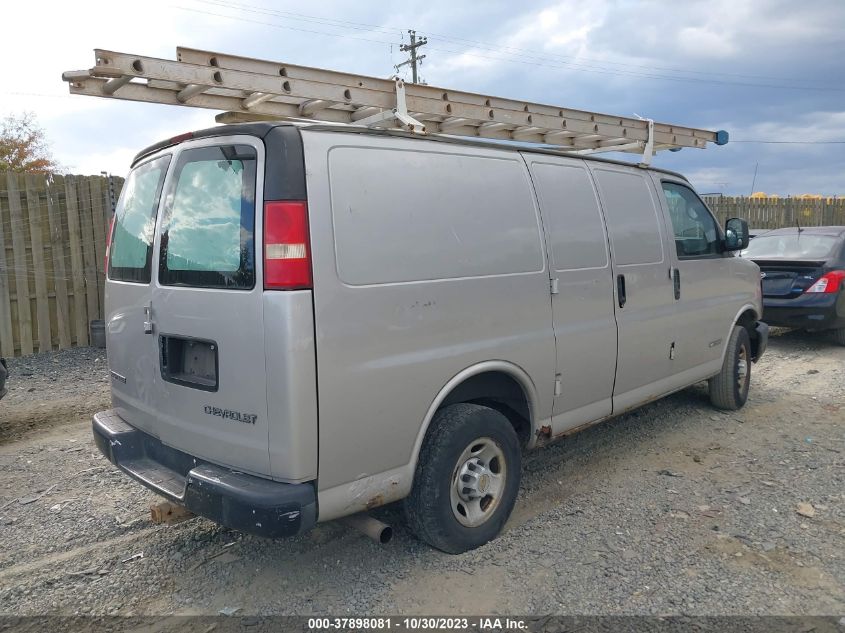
{"points": [[759, 68], [696, 41], [809, 126]]}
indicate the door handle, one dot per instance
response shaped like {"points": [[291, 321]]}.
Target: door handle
{"points": [[620, 290], [148, 319], [676, 283]]}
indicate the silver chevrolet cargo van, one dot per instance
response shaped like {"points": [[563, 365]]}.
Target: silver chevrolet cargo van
{"points": [[310, 321]]}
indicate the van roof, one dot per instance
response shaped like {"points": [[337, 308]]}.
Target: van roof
{"points": [[261, 128]]}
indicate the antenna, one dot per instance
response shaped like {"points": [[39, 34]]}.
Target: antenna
{"points": [[754, 179]]}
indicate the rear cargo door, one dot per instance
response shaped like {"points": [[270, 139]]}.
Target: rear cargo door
{"points": [[208, 328], [133, 361]]}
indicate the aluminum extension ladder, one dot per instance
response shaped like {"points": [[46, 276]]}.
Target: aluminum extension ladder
{"points": [[248, 89]]}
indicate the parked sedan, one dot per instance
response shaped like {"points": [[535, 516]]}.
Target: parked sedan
{"points": [[803, 277], [4, 373]]}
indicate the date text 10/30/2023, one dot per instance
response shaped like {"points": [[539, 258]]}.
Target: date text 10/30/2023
{"points": [[418, 623]]}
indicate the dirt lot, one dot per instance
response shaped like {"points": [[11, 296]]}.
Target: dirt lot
{"points": [[675, 508]]}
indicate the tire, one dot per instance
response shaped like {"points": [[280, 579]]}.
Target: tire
{"points": [[729, 388], [838, 335], [478, 446]]}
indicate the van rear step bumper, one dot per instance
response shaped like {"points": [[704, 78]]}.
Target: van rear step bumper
{"points": [[759, 340], [234, 499]]}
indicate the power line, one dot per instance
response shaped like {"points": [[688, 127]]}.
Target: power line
{"points": [[281, 26], [623, 73], [361, 26], [582, 63], [567, 58]]}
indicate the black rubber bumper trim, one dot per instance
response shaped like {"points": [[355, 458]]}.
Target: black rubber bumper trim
{"points": [[760, 340], [4, 373], [237, 500]]}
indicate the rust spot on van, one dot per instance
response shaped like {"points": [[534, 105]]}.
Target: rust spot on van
{"points": [[375, 502], [544, 432]]}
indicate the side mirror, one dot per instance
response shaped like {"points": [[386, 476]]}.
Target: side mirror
{"points": [[736, 234]]}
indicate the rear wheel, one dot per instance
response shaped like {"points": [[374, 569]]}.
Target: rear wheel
{"points": [[467, 478], [729, 388], [839, 335]]}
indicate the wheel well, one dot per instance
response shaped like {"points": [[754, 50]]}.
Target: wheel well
{"points": [[499, 391], [747, 320]]}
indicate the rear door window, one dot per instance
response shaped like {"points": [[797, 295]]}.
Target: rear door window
{"points": [[208, 232], [130, 252]]}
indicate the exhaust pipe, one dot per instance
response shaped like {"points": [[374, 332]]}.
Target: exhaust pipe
{"points": [[375, 529]]}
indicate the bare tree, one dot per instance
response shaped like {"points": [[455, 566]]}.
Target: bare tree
{"points": [[23, 146]]}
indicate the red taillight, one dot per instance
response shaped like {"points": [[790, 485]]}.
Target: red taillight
{"points": [[828, 283], [108, 243], [287, 254]]}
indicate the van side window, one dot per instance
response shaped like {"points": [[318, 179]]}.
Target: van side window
{"points": [[696, 232], [571, 211], [131, 249], [207, 237], [632, 219]]}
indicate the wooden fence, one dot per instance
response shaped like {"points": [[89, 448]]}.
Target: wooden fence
{"points": [[774, 213], [53, 233]]}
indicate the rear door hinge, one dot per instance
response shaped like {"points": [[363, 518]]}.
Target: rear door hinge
{"points": [[553, 285]]}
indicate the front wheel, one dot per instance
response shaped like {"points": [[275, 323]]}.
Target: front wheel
{"points": [[467, 478], [729, 388]]}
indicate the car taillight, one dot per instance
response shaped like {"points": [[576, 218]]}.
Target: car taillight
{"points": [[828, 283], [287, 256], [108, 244]]}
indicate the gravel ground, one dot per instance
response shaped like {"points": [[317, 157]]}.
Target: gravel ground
{"points": [[673, 509], [52, 389]]}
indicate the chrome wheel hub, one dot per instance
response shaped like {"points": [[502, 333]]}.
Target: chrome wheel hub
{"points": [[478, 482], [741, 368]]}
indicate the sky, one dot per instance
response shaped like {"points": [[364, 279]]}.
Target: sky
{"points": [[765, 70]]}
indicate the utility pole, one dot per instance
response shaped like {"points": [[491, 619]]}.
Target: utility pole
{"points": [[412, 48]]}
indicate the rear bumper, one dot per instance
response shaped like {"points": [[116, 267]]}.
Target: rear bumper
{"points": [[4, 373], [234, 499], [808, 311]]}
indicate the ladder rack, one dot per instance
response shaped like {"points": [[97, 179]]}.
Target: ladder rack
{"points": [[250, 89]]}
